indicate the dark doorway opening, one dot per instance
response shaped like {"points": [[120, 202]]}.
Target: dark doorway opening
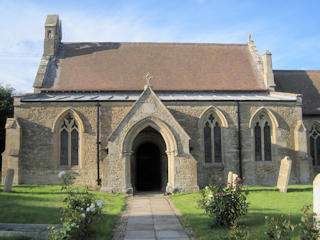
{"points": [[148, 167]]}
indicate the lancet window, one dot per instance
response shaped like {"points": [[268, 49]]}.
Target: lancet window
{"points": [[212, 140], [69, 141], [314, 144], [262, 138]]}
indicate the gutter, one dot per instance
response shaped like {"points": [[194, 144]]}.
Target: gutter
{"points": [[98, 144], [239, 140]]}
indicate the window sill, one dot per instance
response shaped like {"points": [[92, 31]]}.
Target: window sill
{"points": [[215, 165], [69, 167]]}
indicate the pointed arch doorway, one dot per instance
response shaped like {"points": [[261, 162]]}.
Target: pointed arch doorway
{"points": [[149, 162]]}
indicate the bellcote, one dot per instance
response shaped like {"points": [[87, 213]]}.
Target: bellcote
{"points": [[53, 35]]}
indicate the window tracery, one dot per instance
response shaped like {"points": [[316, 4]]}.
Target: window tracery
{"points": [[212, 140], [314, 144], [262, 138], [69, 141]]}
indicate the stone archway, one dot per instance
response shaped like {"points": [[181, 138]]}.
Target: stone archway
{"points": [[169, 146], [149, 162]]}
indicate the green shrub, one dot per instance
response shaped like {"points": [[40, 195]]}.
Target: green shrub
{"points": [[238, 232], [81, 210], [278, 228], [224, 203], [307, 227]]}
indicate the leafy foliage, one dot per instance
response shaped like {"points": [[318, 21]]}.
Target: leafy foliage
{"points": [[6, 110], [80, 212], [307, 228], [278, 228], [224, 203], [238, 232]]}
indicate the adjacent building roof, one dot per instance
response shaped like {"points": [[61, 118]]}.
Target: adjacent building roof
{"points": [[174, 67], [306, 83]]}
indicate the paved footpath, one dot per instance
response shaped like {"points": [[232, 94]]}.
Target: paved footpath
{"points": [[151, 217]]}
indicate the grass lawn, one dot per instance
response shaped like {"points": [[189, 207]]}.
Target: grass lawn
{"points": [[41, 204], [263, 201]]}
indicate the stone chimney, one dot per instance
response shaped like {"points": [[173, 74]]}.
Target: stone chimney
{"points": [[53, 35], [267, 71]]}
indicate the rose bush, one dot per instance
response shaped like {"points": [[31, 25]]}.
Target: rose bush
{"points": [[224, 203], [80, 211]]}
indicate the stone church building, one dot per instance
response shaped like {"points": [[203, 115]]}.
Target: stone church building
{"points": [[129, 117]]}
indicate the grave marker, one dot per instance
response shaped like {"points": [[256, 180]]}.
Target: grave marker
{"points": [[234, 180], [229, 182], [9, 180], [316, 198], [284, 174]]}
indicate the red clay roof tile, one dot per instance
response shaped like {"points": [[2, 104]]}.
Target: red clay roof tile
{"points": [[174, 67]]}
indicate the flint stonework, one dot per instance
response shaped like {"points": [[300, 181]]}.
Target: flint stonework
{"points": [[9, 180], [284, 174]]}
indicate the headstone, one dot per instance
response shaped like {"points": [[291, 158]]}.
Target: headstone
{"points": [[234, 180], [229, 182], [284, 174], [9, 180], [316, 198]]}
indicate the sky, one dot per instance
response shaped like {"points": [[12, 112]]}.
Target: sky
{"points": [[289, 29]]}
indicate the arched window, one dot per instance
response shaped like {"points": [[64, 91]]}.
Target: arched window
{"points": [[314, 144], [212, 140], [262, 138], [69, 141]]}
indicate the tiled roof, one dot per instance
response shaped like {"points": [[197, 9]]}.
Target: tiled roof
{"points": [[174, 67], [306, 83]]}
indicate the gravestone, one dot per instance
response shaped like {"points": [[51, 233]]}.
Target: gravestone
{"points": [[234, 180], [229, 182], [316, 198], [284, 174], [9, 180]]}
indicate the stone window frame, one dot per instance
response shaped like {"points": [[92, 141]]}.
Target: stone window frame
{"points": [[268, 116], [56, 129], [311, 131], [223, 124]]}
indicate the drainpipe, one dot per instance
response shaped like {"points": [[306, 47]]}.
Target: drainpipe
{"points": [[98, 144], [239, 140]]}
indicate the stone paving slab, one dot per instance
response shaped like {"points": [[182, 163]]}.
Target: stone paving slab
{"points": [[150, 216], [138, 234]]}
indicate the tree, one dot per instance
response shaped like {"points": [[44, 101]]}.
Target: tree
{"points": [[6, 110]]}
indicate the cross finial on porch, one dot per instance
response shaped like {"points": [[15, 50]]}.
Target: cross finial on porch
{"points": [[148, 79]]}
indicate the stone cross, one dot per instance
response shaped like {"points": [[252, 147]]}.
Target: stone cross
{"points": [[9, 180], [316, 198], [148, 78], [229, 182], [284, 174]]}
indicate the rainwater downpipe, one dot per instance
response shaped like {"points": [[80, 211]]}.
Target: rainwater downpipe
{"points": [[98, 144], [239, 140]]}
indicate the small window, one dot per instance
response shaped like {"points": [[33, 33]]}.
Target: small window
{"points": [[69, 142], [314, 144], [212, 140], [49, 34], [262, 139]]}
